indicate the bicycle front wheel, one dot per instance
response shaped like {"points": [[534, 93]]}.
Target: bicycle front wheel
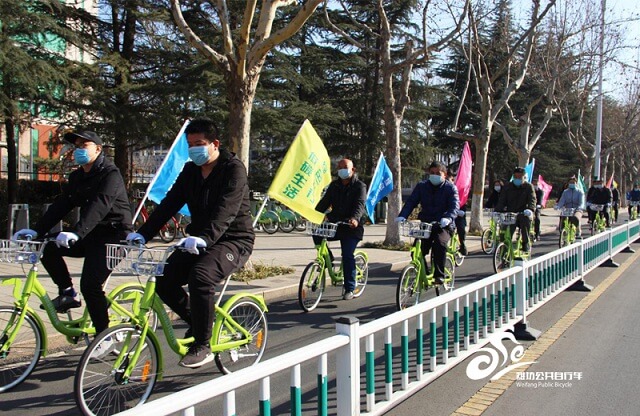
{"points": [[311, 286], [362, 274], [100, 387], [249, 315], [22, 355], [487, 241], [286, 226], [408, 290], [449, 280], [501, 258], [564, 238]]}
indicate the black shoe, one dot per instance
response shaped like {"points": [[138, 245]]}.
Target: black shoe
{"points": [[463, 250], [525, 249], [65, 302], [188, 333], [197, 356], [438, 280]]}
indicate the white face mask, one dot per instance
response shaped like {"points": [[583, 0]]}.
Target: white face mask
{"points": [[497, 188]]}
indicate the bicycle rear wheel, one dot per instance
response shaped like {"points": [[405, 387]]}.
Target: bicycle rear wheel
{"points": [[564, 238], [21, 358], [311, 286], [408, 289], [248, 314], [449, 280], [501, 258], [286, 226], [99, 385], [487, 241], [169, 231], [362, 274]]}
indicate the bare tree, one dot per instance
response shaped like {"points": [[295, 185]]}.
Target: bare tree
{"points": [[495, 84], [245, 44], [396, 74]]}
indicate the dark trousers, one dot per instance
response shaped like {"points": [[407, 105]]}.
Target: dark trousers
{"points": [[202, 273], [439, 240], [461, 228], [524, 224], [94, 269], [536, 223], [615, 207], [348, 247]]}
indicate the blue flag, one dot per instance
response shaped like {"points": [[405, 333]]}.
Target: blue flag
{"points": [[170, 168], [529, 170], [381, 186]]}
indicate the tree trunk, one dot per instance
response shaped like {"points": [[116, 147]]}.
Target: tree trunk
{"points": [[12, 165], [241, 93], [392, 133], [482, 150]]}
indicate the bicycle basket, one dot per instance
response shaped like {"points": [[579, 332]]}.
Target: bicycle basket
{"points": [[508, 218], [20, 251], [140, 261], [597, 207], [634, 203], [496, 216], [415, 229], [326, 229], [567, 212]]}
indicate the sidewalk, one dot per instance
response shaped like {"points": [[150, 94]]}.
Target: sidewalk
{"points": [[294, 250]]}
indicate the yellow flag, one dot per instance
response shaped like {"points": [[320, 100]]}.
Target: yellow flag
{"points": [[303, 174]]}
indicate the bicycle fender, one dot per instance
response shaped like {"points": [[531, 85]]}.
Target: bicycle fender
{"points": [[257, 298], [125, 286], [287, 215], [364, 254], [17, 286]]}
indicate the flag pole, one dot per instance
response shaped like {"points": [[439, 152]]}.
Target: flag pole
{"points": [[155, 177], [255, 220]]}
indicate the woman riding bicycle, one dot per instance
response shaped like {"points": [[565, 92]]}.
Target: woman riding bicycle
{"points": [[438, 199], [214, 187], [572, 197]]}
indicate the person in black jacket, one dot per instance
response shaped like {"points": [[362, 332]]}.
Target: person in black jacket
{"points": [[214, 187], [615, 202], [598, 194], [105, 217], [518, 196], [495, 194], [346, 197]]}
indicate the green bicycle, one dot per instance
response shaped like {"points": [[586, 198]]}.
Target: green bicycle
{"points": [[599, 223], [107, 383], [633, 210], [453, 250], [23, 335], [490, 236], [415, 279], [569, 229], [507, 250], [314, 276]]}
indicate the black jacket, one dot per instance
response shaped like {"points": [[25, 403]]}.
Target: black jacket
{"points": [[493, 199], [539, 196], [346, 202], [219, 204], [516, 198], [101, 196], [599, 196]]}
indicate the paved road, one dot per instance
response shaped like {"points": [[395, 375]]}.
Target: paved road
{"points": [[48, 390]]}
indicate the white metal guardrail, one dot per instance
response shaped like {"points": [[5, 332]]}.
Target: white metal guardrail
{"points": [[407, 350]]}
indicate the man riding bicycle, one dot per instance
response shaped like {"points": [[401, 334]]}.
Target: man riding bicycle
{"points": [[214, 187], [598, 194], [519, 196], [346, 197], [438, 199], [633, 195], [572, 197]]}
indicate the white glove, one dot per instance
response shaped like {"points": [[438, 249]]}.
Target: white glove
{"points": [[400, 219], [134, 239], [556, 207], [191, 244], [66, 239], [444, 222], [528, 213], [538, 206], [461, 213], [25, 234]]}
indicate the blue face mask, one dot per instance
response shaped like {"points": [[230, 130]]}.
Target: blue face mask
{"points": [[199, 154], [343, 173], [81, 156], [497, 188], [517, 182], [572, 186], [436, 179]]}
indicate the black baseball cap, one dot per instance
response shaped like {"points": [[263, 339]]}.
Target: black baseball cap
{"points": [[519, 170], [83, 134]]}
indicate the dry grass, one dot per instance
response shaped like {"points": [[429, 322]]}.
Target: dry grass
{"points": [[260, 271], [404, 246]]}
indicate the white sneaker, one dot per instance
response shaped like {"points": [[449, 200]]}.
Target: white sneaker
{"points": [[104, 348]]}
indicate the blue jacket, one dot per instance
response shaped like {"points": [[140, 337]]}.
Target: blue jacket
{"points": [[633, 195], [571, 198], [436, 202]]}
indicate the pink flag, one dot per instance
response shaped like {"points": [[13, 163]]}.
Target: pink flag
{"points": [[463, 179], [610, 182], [546, 190]]}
